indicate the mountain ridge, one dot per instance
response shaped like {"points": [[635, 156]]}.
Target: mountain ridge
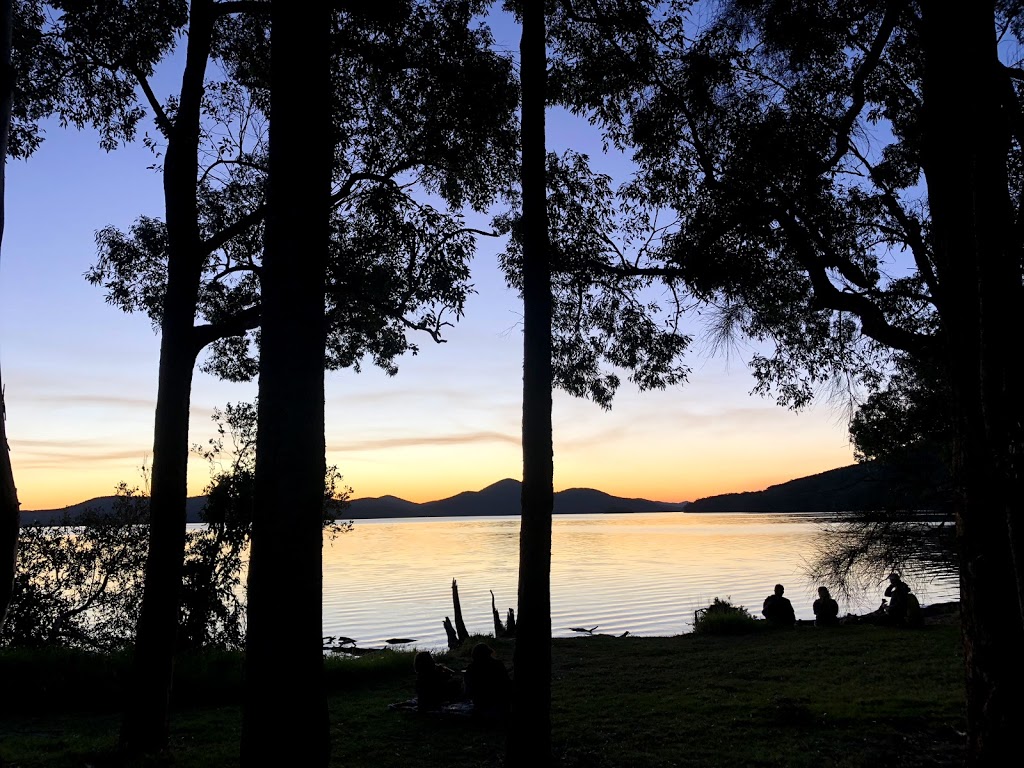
{"points": [[854, 487], [499, 498]]}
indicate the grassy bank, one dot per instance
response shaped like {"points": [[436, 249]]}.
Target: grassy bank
{"points": [[849, 696]]}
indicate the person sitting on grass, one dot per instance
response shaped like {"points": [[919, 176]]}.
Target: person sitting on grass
{"points": [[778, 610], [826, 609], [904, 608], [487, 683], [436, 684], [897, 592]]}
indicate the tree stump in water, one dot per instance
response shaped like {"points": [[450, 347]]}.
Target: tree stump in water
{"points": [[453, 636], [460, 625], [503, 630]]}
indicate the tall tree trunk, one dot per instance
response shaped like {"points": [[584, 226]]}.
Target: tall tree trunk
{"points": [[285, 714], [529, 738], [9, 506], [978, 261], [145, 724]]}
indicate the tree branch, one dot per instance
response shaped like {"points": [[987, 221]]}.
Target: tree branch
{"points": [[867, 66], [236, 325], [163, 122]]}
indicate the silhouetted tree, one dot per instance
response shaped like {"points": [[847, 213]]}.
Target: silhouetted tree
{"points": [[793, 140], [285, 583], [10, 519], [529, 737], [212, 611], [419, 104]]}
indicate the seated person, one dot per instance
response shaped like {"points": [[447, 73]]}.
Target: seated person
{"points": [[487, 683], [777, 609], [897, 592], [826, 609], [436, 684]]}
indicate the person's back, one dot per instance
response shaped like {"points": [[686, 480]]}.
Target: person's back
{"points": [[826, 609], [915, 616], [487, 683], [777, 609]]}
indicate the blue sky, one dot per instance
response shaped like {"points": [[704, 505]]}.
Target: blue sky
{"points": [[80, 376]]}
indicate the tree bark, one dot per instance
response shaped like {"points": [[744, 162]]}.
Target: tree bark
{"points": [[285, 714], [529, 738], [9, 506], [145, 722], [978, 261]]}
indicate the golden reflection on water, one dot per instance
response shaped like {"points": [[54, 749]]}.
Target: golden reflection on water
{"points": [[641, 573]]}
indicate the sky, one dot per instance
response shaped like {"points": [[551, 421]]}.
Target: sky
{"points": [[80, 376]]}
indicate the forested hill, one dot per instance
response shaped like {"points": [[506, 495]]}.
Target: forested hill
{"points": [[500, 498], [855, 487], [867, 486]]}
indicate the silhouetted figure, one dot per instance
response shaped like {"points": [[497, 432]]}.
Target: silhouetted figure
{"points": [[826, 609], [897, 592], [487, 683], [904, 608], [777, 609], [436, 684]]}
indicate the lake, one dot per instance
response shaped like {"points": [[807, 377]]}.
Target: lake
{"points": [[644, 574]]}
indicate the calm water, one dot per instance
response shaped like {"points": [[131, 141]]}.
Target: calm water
{"points": [[641, 573]]}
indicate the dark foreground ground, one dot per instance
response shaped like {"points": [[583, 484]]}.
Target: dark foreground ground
{"points": [[852, 696]]}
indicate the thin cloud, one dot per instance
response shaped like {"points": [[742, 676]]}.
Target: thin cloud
{"points": [[64, 459], [467, 438], [130, 402]]}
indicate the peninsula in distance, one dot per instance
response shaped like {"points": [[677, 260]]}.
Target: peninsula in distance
{"points": [[858, 486]]}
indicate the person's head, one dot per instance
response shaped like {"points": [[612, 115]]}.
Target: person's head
{"points": [[482, 651], [423, 662], [894, 578], [823, 593], [779, 589]]}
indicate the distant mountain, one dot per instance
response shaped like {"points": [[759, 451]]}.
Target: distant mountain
{"points": [[858, 487], [101, 505], [500, 498]]}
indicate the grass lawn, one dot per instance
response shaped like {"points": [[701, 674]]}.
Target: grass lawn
{"points": [[852, 696]]}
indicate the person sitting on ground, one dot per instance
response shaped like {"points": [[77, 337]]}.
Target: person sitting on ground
{"points": [[897, 592], [826, 609], [436, 684], [777, 609], [487, 683]]}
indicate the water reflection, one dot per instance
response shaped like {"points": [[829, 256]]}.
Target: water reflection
{"points": [[645, 574]]}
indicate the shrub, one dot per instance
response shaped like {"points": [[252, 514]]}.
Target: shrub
{"points": [[723, 618]]}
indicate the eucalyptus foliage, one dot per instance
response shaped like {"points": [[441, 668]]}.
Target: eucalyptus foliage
{"points": [[611, 316], [785, 138], [424, 129]]}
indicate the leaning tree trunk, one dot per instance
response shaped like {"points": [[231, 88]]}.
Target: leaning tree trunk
{"points": [[529, 737], [9, 506], [145, 723], [978, 266], [285, 711]]}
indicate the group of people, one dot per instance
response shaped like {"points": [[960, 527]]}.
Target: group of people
{"points": [[900, 608], [485, 683]]}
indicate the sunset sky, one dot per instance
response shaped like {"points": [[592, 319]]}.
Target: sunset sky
{"points": [[80, 376]]}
